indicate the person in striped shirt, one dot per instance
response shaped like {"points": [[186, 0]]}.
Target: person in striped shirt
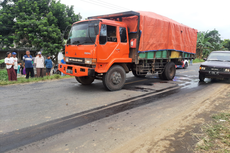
{"points": [[28, 64]]}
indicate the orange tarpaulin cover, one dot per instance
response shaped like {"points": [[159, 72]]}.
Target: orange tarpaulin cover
{"points": [[161, 33]]}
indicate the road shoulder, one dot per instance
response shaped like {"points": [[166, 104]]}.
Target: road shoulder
{"points": [[176, 135]]}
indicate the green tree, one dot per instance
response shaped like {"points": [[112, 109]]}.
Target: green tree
{"points": [[214, 36], [218, 46], [226, 44], [6, 25], [203, 45], [209, 41], [38, 24]]}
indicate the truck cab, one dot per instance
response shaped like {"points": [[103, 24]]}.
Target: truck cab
{"points": [[93, 46]]}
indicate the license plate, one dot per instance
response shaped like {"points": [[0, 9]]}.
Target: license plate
{"points": [[69, 71], [213, 73]]}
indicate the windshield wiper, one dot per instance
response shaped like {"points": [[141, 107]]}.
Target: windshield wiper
{"points": [[82, 43], [78, 42]]}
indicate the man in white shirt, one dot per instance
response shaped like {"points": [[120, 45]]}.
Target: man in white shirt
{"points": [[10, 67], [15, 61], [39, 61]]}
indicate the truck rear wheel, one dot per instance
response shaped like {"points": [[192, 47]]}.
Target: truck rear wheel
{"points": [[169, 71], [115, 78], [141, 75], [161, 76], [86, 80]]}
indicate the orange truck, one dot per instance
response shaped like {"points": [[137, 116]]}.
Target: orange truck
{"points": [[107, 47]]}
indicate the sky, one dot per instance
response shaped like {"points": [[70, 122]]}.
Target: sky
{"points": [[203, 15]]}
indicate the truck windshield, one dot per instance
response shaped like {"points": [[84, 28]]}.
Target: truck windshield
{"points": [[83, 33]]}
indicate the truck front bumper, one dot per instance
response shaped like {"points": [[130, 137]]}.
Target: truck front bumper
{"points": [[74, 70]]}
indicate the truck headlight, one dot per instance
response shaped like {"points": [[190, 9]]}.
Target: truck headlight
{"points": [[66, 59], [202, 68], [227, 70], [90, 61]]}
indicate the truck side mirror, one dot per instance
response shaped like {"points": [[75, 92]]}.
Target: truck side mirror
{"points": [[65, 34], [96, 29]]}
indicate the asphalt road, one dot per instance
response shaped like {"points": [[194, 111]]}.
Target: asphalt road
{"points": [[64, 116]]}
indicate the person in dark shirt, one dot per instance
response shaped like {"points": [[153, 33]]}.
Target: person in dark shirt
{"points": [[49, 65], [28, 64]]}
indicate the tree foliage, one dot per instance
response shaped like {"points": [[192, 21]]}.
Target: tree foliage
{"points": [[35, 24], [203, 44], [226, 43], [209, 41], [214, 36]]}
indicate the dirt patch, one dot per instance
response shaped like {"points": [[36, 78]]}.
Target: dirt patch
{"points": [[180, 133]]}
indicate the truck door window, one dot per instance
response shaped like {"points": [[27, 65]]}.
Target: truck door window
{"points": [[103, 34], [123, 35], [112, 33], [107, 33]]}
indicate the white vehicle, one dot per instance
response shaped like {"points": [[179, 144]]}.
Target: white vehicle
{"points": [[184, 64]]}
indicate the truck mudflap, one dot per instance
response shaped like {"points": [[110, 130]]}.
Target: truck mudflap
{"points": [[74, 70]]}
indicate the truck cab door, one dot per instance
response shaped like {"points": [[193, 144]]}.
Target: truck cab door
{"points": [[108, 47], [123, 42]]}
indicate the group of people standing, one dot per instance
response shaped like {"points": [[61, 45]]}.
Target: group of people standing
{"points": [[13, 66]]}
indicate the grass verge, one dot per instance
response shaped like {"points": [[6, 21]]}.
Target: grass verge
{"points": [[4, 78], [215, 137], [197, 60]]}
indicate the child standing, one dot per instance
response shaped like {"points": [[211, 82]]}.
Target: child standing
{"points": [[24, 69], [19, 67]]}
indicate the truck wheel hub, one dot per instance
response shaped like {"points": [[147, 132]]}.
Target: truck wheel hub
{"points": [[116, 78]]}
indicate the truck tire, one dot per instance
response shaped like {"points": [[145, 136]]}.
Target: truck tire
{"points": [[141, 75], [169, 71], [201, 77], [86, 80], [115, 78], [161, 76]]}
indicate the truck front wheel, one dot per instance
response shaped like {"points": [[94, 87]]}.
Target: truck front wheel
{"points": [[86, 80], [114, 79], [169, 71]]}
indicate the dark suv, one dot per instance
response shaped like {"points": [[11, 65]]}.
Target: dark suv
{"points": [[216, 66]]}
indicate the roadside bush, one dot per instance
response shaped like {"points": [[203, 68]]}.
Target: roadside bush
{"points": [[3, 75], [56, 76], [197, 60], [1, 61], [22, 79]]}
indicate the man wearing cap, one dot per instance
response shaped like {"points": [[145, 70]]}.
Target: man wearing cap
{"points": [[28, 64], [49, 65], [39, 61], [15, 59]]}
